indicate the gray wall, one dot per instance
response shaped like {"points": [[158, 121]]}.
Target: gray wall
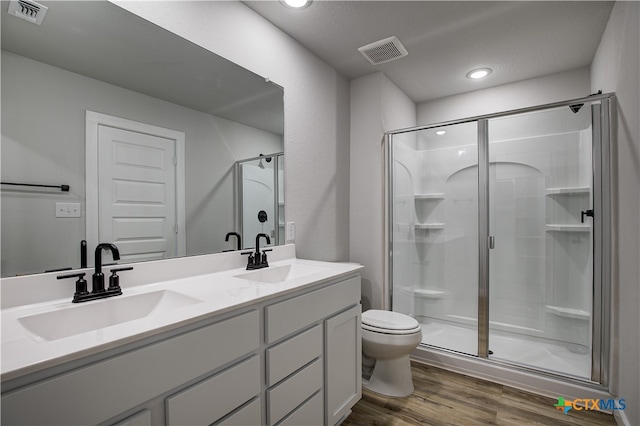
{"points": [[522, 94], [616, 68], [43, 140], [377, 106], [316, 110]]}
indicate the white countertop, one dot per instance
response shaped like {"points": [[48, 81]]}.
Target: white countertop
{"points": [[209, 294]]}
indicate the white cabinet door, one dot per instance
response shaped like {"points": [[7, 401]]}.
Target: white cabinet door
{"points": [[343, 364]]}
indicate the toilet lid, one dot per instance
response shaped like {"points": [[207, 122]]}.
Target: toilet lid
{"points": [[388, 320]]}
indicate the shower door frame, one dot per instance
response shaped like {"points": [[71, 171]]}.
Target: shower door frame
{"points": [[603, 225], [278, 158]]}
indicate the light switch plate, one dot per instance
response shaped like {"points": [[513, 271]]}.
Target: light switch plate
{"points": [[291, 232], [67, 209]]}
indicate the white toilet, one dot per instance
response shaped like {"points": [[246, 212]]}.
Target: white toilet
{"points": [[389, 338]]}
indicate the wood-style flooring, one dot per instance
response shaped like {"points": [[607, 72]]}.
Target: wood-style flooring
{"points": [[445, 398]]}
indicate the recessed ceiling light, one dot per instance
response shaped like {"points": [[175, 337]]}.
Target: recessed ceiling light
{"points": [[479, 73], [441, 132], [296, 4]]}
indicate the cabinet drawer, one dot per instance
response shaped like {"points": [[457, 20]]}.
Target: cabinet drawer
{"points": [[247, 415], [142, 418], [213, 398], [132, 378], [286, 317], [290, 355], [286, 396], [308, 414]]}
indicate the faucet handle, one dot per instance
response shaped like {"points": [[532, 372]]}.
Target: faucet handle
{"points": [[114, 279], [264, 261], [127, 268], [81, 285], [251, 259]]}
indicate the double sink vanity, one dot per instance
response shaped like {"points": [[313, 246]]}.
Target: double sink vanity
{"points": [[191, 341]]}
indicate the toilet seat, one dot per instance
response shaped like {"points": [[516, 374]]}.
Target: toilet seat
{"points": [[388, 322], [387, 331]]}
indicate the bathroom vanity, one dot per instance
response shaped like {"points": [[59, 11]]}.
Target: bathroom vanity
{"points": [[224, 346]]}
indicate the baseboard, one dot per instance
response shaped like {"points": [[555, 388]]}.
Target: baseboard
{"points": [[621, 418]]}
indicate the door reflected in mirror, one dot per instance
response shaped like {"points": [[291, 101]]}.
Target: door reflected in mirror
{"points": [[97, 57]]}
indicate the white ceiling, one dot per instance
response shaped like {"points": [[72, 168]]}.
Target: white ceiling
{"points": [[445, 39]]}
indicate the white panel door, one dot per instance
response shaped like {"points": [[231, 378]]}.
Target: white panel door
{"points": [[137, 193]]}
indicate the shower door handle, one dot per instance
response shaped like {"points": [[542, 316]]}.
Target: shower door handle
{"points": [[492, 242], [585, 213]]}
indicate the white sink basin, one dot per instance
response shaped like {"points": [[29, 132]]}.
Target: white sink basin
{"points": [[276, 274], [80, 318]]}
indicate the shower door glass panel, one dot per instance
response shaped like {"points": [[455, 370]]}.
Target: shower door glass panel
{"points": [[258, 210], [540, 269], [435, 233]]}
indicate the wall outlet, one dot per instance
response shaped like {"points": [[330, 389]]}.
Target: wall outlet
{"points": [[291, 232], [67, 209]]}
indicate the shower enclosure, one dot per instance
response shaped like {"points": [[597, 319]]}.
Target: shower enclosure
{"points": [[259, 198], [498, 236]]}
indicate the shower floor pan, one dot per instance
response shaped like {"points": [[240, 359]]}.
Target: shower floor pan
{"points": [[565, 359]]}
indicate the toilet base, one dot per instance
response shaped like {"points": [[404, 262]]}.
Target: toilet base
{"points": [[391, 377]]}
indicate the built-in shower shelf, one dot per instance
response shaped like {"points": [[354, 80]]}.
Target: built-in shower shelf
{"points": [[435, 238], [431, 293], [402, 199], [430, 196], [569, 190], [569, 312], [568, 228], [429, 225]]}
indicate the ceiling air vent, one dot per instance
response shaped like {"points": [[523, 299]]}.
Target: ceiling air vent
{"points": [[28, 10], [383, 51]]}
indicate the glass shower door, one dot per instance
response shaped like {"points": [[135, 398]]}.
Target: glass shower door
{"points": [[541, 239], [259, 199], [435, 232]]}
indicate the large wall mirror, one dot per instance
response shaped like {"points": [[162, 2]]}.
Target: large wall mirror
{"points": [[147, 130]]}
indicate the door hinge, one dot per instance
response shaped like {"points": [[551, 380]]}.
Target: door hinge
{"points": [[175, 161], [492, 242], [175, 228]]}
